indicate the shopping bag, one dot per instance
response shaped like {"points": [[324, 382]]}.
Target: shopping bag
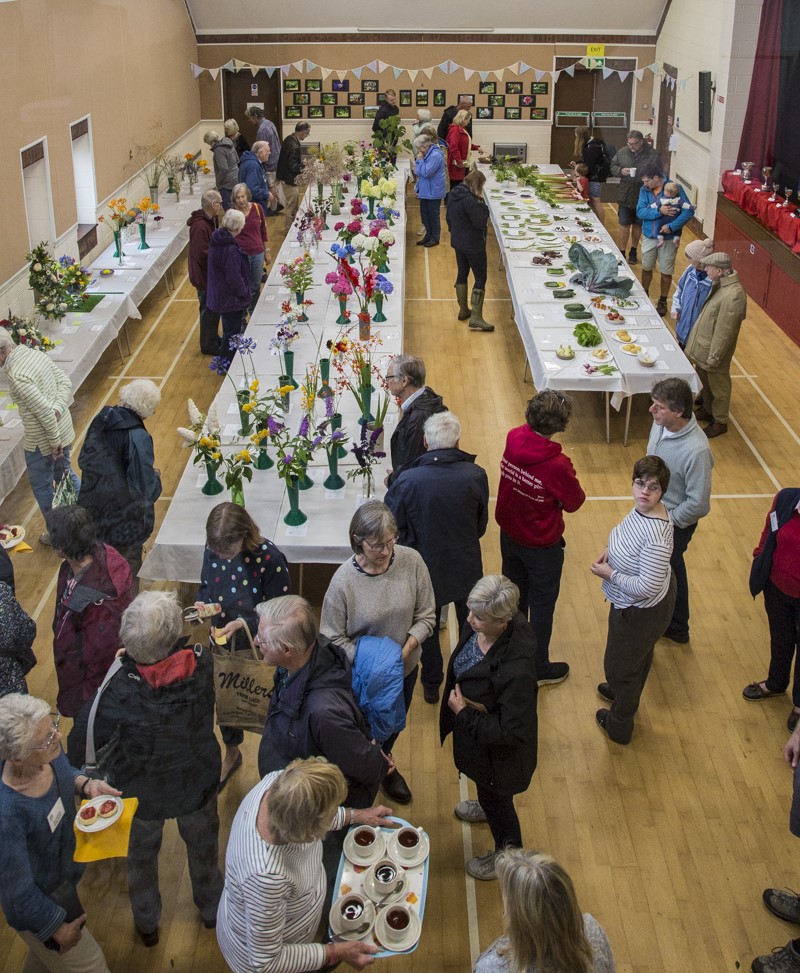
{"points": [[64, 494], [242, 685]]}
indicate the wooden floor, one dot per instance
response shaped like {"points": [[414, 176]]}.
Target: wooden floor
{"points": [[671, 840]]}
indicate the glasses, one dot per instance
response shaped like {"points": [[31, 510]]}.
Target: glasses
{"points": [[392, 377], [647, 487], [379, 548], [55, 720]]}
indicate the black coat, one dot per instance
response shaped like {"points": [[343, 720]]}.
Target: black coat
{"points": [[119, 484], [290, 160], [447, 120], [316, 715], [496, 748], [168, 755], [408, 439], [385, 110], [440, 502], [467, 217]]}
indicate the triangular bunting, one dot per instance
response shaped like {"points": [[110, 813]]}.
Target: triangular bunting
{"points": [[584, 62], [358, 72], [468, 72], [556, 75], [570, 70], [254, 69], [539, 74], [454, 67], [270, 71], [499, 74], [607, 72], [213, 72], [372, 66], [310, 66], [397, 72], [483, 75], [639, 74], [444, 67], [196, 70], [381, 67], [326, 73], [653, 67], [298, 65], [413, 76], [341, 75], [623, 75], [428, 72], [285, 68], [522, 67]]}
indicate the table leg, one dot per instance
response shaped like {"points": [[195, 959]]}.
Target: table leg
{"points": [[627, 420], [526, 371], [127, 338], [119, 349], [608, 417]]}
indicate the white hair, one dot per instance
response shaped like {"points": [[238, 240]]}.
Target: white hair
{"points": [[6, 341], [211, 138], [233, 221], [231, 126], [141, 395], [494, 597], [424, 114], [442, 430], [19, 719], [150, 626]]}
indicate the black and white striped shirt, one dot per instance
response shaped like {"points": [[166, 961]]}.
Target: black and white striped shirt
{"points": [[639, 549]]}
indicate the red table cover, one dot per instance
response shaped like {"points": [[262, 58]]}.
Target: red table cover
{"points": [[783, 221]]}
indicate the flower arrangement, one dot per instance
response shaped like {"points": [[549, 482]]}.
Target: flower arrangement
{"points": [[285, 335], [147, 158], [193, 167], [44, 276], [202, 435], [238, 468], [220, 366], [334, 160], [298, 275], [367, 456], [311, 222], [74, 277], [342, 281], [313, 171], [144, 208], [24, 332], [119, 215], [296, 452], [355, 364]]}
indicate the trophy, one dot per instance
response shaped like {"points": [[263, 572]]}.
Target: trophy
{"points": [[787, 192], [774, 196], [766, 172], [747, 170]]}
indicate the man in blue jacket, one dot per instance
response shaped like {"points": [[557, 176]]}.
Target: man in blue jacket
{"points": [[251, 172], [440, 503], [665, 220]]}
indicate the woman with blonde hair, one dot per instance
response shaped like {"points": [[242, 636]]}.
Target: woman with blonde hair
{"points": [[458, 146], [544, 929], [252, 240], [274, 880], [240, 143]]}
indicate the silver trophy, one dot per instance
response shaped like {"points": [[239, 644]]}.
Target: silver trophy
{"points": [[747, 171], [787, 192], [766, 172]]}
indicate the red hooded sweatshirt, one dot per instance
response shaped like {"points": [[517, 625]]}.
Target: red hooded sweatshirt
{"points": [[537, 482]]}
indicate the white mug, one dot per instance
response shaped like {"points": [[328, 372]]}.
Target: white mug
{"points": [[397, 920], [632, 172], [352, 911], [408, 840]]}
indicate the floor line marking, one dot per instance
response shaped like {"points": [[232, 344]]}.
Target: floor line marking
{"points": [[755, 452], [428, 277], [775, 412]]}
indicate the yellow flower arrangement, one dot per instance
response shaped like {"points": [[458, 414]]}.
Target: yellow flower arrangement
{"points": [[254, 385], [258, 437], [244, 456]]}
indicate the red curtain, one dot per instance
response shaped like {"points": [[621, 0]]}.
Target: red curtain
{"points": [[758, 136]]}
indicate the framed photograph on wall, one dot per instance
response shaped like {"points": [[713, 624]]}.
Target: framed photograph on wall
{"points": [[370, 86], [513, 113], [291, 84], [540, 87], [514, 87], [301, 98], [316, 111], [539, 114], [370, 111], [293, 111], [313, 84], [329, 98], [527, 101], [422, 97], [341, 85], [341, 111], [381, 96], [497, 101], [484, 112], [487, 88], [469, 98], [355, 97], [405, 97], [439, 98]]}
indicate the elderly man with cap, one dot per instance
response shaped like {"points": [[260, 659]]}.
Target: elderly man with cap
{"points": [[692, 290], [711, 344]]}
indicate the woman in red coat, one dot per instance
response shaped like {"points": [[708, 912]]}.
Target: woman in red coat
{"points": [[458, 146]]}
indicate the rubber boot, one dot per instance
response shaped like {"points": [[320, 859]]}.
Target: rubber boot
{"points": [[476, 322], [463, 307]]}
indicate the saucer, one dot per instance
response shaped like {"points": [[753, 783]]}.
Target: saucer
{"points": [[354, 853], [380, 898], [423, 850], [350, 935], [399, 946]]}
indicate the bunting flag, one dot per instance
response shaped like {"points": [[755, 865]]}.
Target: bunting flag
{"points": [[213, 72], [358, 72], [556, 75], [270, 71], [483, 75], [196, 70], [623, 75], [607, 72], [341, 75], [372, 66], [413, 76], [653, 67], [254, 69], [299, 65], [570, 70], [500, 74], [522, 67], [454, 67], [381, 67], [310, 65], [428, 72], [468, 72], [639, 74], [326, 73], [285, 68], [444, 67], [397, 72], [584, 62]]}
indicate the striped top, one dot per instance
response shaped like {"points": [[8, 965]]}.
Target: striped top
{"points": [[40, 389], [639, 549], [272, 901]]}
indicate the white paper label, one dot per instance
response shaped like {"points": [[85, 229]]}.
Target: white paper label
{"points": [[773, 521], [56, 814], [300, 531]]}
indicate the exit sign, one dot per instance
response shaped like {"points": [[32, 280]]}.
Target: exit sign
{"points": [[595, 50]]}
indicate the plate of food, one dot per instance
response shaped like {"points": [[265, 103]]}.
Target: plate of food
{"points": [[625, 303], [614, 317], [11, 535], [625, 337], [647, 357], [600, 356], [631, 348], [98, 814], [107, 272]]}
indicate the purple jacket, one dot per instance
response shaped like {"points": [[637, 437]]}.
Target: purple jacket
{"points": [[228, 275]]}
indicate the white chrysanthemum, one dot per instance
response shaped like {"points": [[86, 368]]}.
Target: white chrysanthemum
{"points": [[386, 236], [358, 241]]}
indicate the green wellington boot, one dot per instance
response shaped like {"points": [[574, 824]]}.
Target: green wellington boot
{"points": [[476, 322], [463, 307]]}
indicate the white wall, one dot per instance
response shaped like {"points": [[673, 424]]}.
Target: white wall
{"points": [[718, 36]]}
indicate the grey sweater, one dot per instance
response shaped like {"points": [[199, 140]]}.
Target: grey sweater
{"points": [[690, 460], [492, 962], [395, 604]]}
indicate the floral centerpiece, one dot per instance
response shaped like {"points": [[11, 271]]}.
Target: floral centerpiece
{"points": [[221, 366], [367, 454], [285, 335], [311, 222], [355, 364], [203, 436], [24, 332], [238, 468], [342, 281], [53, 296], [298, 276], [118, 217], [74, 277]]}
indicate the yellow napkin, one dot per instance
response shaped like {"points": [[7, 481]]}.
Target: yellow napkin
{"points": [[112, 842], [22, 548]]}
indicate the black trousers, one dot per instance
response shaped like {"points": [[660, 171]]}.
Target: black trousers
{"points": [[679, 623], [432, 665], [783, 615], [501, 817], [476, 262]]}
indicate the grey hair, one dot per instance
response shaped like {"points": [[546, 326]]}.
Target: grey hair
{"points": [[239, 187], [150, 626], [494, 597], [231, 126], [424, 114], [211, 138], [303, 799], [6, 341], [442, 430], [233, 221], [411, 368], [254, 112], [372, 519], [257, 146], [209, 197], [291, 622], [141, 395], [19, 715], [430, 131]]}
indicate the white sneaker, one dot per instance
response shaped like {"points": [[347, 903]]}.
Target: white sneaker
{"points": [[421, 231], [470, 811], [482, 868]]}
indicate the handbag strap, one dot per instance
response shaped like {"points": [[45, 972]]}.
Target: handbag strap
{"points": [[91, 754], [246, 628]]}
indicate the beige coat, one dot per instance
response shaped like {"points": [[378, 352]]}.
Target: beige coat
{"points": [[712, 340]]}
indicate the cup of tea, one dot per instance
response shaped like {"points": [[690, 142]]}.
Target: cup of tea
{"points": [[408, 842], [386, 876], [398, 919], [352, 909], [364, 839], [632, 171]]}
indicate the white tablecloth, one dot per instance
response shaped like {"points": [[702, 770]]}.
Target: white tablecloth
{"points": [[541, 319], [177, 552]]}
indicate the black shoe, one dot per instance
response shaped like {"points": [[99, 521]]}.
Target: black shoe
{"points": [[680, 637], [149, 939], [430, 694], [396, 789], [791, 723], [209, 923], [606, 692], [600, 717], [552, 673], [661, 307], [431, 243], [423, 242], [632, 257]]}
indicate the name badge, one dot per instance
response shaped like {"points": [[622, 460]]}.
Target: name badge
{"points": [[55, 815], [773, 521]]}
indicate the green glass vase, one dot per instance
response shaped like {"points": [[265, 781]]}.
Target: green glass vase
{"points": [[143, 244], [212, 486], [295, 517], [378, 317]]}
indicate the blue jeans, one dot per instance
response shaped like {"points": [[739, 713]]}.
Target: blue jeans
{"points": [[256, 273], [43, 470], [679, 625], [430, 211]]}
